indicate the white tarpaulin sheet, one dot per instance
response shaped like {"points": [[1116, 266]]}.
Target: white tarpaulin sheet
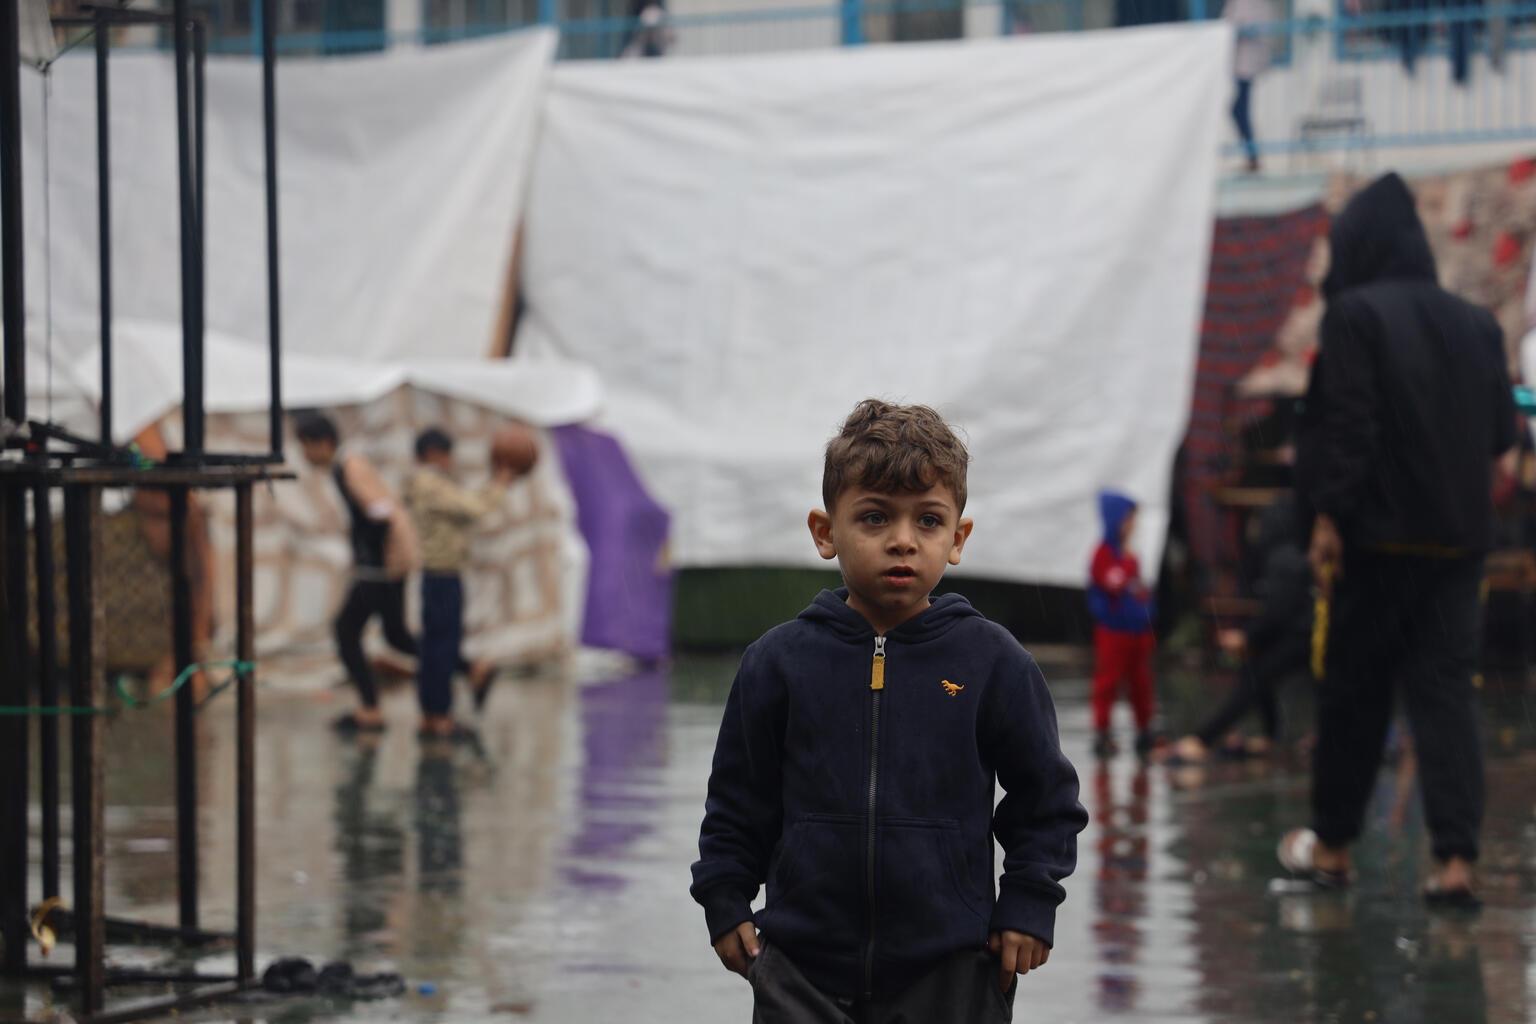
{"points": [[401, 181], [147, 382], [1015, 232]]}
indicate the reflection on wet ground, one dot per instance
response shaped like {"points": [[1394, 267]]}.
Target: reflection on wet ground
{"points": [[544, 877]]}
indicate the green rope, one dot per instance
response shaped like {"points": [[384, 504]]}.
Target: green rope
{"points": [[68, 709], [240, 670]]}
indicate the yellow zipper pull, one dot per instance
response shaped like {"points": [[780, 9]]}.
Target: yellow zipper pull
{"points": [[877, 670]]}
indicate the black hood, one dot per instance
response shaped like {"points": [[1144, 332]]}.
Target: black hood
{"points": [[1378, 236], [831, 609]]}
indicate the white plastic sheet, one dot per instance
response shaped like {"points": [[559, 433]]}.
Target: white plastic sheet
{"points": [[401, 183], [1015, 232], [147, 384]]}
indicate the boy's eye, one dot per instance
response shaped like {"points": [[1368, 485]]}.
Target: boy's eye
{"points": [[930, 522], [874, 518]]}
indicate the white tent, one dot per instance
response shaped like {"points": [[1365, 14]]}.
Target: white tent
{"points": [[401, 181], [1015, 232]]}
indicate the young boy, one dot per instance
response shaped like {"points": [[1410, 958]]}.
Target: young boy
{"points": [[444, 513], [1122, 634], [383, 553], [857, 760]]}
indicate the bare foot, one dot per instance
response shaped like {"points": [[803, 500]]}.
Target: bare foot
{"points": [[1332, 859], [368, 718], [479, 672], [1189, 750], [437, 725], [1258, 746], [1453, 874], [482, 675]]}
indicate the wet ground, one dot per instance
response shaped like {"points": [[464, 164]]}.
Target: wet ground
{"points": [[545, 878]]}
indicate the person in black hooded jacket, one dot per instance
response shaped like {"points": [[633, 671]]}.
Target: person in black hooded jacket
{"points": [[857, 763], [1409, 405]]}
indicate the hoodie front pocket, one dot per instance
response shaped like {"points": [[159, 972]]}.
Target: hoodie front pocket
{"points": [[814, 887], [924, 899]]}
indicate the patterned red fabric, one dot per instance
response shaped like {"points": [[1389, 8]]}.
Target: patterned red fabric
{"points": [[1257, 272]]}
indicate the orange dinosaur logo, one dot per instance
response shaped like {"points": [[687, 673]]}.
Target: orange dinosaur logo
{"points": [[952, 689]]}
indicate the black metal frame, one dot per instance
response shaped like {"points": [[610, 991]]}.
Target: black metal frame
{"points": [[51, 460]]}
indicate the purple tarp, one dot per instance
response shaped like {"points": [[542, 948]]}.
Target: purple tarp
{"points": [[629, 584]]}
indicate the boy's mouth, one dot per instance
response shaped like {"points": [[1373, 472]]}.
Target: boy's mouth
{"points": [[899, 575]]}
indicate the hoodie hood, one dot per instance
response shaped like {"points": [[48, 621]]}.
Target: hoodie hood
{"points": [[1113, 509], [1378, 236], [831, 609]]}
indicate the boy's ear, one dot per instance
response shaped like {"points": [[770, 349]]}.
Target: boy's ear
{"points": [[821, 533], [962, 534]]}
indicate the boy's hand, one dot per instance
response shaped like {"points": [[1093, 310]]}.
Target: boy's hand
{"points": [[737, 949], [1019, 954]]}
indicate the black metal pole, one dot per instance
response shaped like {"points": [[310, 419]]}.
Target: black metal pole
{"points": [[245, 731], [47, 682], [11, 238], [191, 255], [274, 306], [186, 723], [14, 673], [15, 676], [199, 164], [82, 539], [104, 217]]}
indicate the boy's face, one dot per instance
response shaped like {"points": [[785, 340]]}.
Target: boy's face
{"points": [[892, 548], [437, 458], [319, 453], [1127, 527]]}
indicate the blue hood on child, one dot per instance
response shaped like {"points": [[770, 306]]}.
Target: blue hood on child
{"points": [[1114, 507]]}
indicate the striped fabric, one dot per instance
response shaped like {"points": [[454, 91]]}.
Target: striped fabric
{"points": [[1257, 273]]}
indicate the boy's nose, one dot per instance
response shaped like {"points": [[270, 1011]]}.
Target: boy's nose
{"points": [[903, 540]]}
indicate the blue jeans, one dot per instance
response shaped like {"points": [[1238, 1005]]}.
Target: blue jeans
{"points": [[1242, 118], [442, 632]]}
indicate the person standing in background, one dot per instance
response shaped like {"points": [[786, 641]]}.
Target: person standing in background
{"points": [[1250, 57], [383, 553], [445, 513], [1409, 405], [1123, 641], [650, 35]]}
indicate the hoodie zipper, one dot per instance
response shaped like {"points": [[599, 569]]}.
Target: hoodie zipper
{"points": [[876, 687]]}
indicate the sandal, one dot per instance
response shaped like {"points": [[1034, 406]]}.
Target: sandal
{"points": [[1458, 898], [349, 725], [1297, 853], [483, 691], [460, 733]]}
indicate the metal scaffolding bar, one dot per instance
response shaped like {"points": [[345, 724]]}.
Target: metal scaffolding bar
{"points": [[186, 713], [104, 215], [47, 683], [269, 141], [245, 732], [192, 372], [82, 507]]}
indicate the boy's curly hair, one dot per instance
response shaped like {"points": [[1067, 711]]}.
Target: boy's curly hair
{"points": [[894, 449]]}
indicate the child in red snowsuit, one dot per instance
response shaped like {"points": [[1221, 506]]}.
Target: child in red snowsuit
{"points": [[1122, 634]]}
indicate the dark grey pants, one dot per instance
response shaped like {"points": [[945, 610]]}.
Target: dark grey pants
{"points": [[960, 989]]}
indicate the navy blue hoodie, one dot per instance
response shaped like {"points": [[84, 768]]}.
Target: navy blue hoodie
{"points": [[869, 811]]}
